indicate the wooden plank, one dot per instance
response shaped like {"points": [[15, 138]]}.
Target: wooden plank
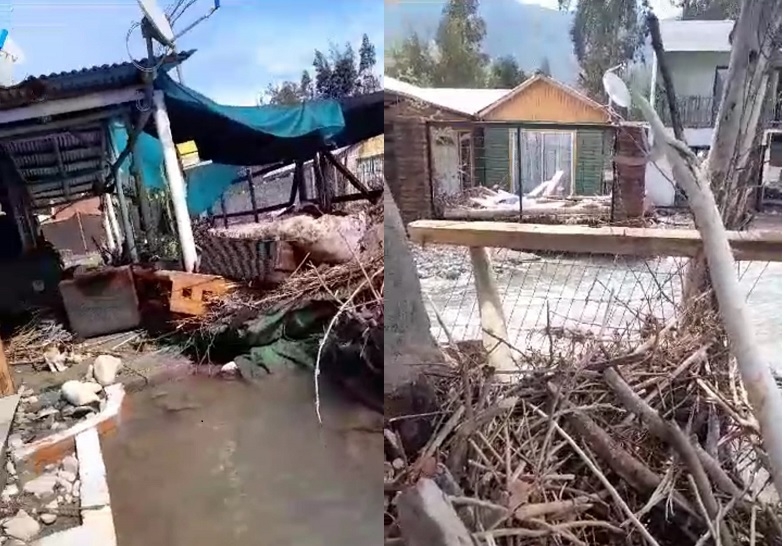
{"points": [[6, 380], [191, 291], [643, 242]]}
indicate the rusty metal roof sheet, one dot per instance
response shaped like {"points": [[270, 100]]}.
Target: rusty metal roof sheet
{"points": [[70, 83]]}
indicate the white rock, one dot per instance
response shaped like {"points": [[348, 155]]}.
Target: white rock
{"points": [[31, 399], [65, 485], [15, 542], [93, 386], [11, 490], [78, 393], [50, 468], [24, 391], [70, 464], [22, 526], [54, 505], [105, 369], [68, 499], [228, 368], [46, 412], [48, 519], [10, 468], [15, 441], [68, 476], [42, 486], [77, 486]]}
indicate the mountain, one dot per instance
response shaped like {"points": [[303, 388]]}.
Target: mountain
{"points": [[528, 32]]}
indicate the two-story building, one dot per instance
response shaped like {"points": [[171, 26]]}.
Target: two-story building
{"points": [[697, 55]]}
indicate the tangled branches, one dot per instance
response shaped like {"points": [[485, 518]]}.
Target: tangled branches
{"points": [[653, 444]]}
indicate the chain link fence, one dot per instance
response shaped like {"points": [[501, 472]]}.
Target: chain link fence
{"points": [[554, 301]]}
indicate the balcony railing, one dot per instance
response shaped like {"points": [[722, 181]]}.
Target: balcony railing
{"points": [[696, 112], [699, 112]]}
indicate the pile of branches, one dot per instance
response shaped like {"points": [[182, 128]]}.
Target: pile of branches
{"points": [[309, 283], [654, 444]]}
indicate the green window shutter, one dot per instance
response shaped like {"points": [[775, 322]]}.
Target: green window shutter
{"points": [[495, 157], [589, 170]]}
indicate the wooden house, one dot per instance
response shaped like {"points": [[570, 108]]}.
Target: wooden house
{"points": [[514, 139]]}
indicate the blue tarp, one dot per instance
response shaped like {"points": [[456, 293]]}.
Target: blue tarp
{"points": [[234, 136], [249, 135], [205, 183]]}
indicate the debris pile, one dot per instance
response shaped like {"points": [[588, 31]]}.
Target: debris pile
{"points": [[41, 414], [34, 506], [591, 444], [538, 206], [326, 314]]}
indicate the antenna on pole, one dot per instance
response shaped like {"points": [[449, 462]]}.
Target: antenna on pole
{"points": [[157, 26]]}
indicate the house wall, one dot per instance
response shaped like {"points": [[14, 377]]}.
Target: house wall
{"points": [[694, 72], [545, 102], [659, 187], [406, 154]]}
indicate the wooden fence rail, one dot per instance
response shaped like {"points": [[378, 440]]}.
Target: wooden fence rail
{"points": [[613, 241], [618, 241]]}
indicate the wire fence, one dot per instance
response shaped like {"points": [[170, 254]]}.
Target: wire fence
{"points": [[518, 157], [552, 302], [257, 194]]}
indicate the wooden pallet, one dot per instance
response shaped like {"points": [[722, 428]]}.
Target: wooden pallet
{"points": [[190, 292]]}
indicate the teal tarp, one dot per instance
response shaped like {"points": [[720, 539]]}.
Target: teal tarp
{"points": [[205, 183], [234, 135]]}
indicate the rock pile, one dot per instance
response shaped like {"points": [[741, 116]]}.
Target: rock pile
{"points": [[41, 414], [30, 505]]}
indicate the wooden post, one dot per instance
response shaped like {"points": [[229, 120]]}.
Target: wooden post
{"points": [[6, 380], [223, 211], [495, 337], [176, 183], [253, 204]]}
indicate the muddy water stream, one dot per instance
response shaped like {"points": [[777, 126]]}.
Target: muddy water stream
{"points": [[199, 461]]}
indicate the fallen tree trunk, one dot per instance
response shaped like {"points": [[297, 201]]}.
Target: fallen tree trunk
{"points": [[764, 395]]}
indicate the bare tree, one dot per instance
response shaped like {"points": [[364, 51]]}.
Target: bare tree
{"points": [[719, 191]]}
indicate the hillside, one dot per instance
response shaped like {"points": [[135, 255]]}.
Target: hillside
{"points": [[528, 32]]}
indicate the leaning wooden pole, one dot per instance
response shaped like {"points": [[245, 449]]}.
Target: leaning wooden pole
{"points": [[755, 371]]}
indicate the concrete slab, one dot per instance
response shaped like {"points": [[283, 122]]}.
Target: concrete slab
{"points": [[92, 472], [8, 406]]}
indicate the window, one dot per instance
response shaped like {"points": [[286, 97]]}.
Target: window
{"points": [[466, 156]]}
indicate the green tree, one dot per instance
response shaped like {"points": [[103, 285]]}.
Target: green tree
{"points": [[605, 33], [410, 60], [505, 73], [367, 81], [285, 93], [544, 67], [461, 62], [715, 10]]}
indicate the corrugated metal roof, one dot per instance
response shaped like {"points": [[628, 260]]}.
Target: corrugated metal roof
{"points": [[709, 36], [51, 180], [466, 101], [76, 82]]}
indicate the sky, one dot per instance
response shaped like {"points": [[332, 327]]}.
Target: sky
{"points": [[241, 49], [664, 9]]}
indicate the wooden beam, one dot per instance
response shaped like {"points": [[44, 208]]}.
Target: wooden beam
{"points": [[6, 380], [67, 106], [641, 242]]}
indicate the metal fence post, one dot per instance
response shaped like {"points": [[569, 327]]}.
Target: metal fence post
{"points": [[519, 166]]}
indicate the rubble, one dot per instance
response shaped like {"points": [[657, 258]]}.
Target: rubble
{"points": [[34, 506], [105, 369]]}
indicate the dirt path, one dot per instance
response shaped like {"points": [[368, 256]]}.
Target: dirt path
{"points": [[200, 461]]}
